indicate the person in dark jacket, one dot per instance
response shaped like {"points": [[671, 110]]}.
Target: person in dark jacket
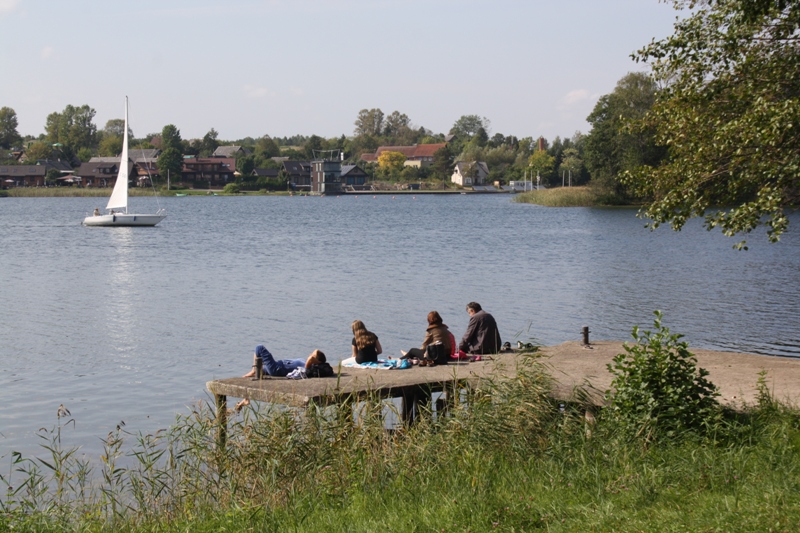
{"points": [[482, 336]]}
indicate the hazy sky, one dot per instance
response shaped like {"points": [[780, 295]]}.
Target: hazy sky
{"points": [[285, 67]]}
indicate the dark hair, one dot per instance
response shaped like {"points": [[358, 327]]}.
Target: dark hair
{"points": [[434, 318], [321, 357], [475, 306]]}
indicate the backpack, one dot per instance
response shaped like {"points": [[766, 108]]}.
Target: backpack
{"points": [[320, 370]]}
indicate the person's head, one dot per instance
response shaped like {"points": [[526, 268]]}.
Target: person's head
{"points": [[473, 307], [362, 335], [434, 318], [316, 357], [358, 326]]}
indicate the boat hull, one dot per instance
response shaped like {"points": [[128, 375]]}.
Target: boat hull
{"points": [[121, 219]]}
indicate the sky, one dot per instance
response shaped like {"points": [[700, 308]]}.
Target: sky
{"points": [[286, 67]]}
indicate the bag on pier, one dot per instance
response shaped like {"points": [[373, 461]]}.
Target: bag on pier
{"points": [[320, 370]]}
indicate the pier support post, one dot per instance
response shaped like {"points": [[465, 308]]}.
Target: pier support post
{"points": [[408, 407], [222, 420]]}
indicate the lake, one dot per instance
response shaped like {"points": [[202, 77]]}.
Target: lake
{"points": [[128, 324]]}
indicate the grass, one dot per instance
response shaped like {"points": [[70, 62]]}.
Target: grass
{"points": [[507, 460], [560, 197]]}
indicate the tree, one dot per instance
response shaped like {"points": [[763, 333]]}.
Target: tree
{"points": [[209, 143], [729, 114], [171, 138], [170, 164], [391, 163], [110, 146], [245, 165], [38, 150], [266, 147], [468, 125], [571, 164], [369, 122], [541, 164], [612, 147], [443, 163], [116, 127], [313, 147], [72, 128], [9, 137], [396, 124]]}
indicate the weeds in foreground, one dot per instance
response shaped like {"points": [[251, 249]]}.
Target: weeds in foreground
{"points": [[508, 459]]}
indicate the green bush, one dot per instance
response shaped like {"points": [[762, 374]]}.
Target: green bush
{"points": [[657, 390], [231, 188]]}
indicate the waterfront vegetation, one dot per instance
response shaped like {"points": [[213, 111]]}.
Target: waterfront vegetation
{"points": [[509, 458], [560, 197], [88, 192]]}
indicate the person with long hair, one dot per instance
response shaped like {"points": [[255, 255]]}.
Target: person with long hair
{"points": [[437, 334], [366, 346]]}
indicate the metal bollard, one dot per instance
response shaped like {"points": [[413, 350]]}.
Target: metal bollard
{"points": [[585, 332], [259, 369]]}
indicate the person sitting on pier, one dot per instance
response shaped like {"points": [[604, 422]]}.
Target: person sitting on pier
{"points": [[366, 346], [282, 367], [482, 336], [436, 332]]}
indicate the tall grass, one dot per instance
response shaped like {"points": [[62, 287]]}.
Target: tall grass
{"points": [[506, 460], [559, 197]]}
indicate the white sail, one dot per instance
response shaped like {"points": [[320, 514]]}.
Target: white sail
{"points": [[119, 196]]}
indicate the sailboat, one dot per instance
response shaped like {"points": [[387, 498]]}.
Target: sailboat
{"points": [[117, 208]]}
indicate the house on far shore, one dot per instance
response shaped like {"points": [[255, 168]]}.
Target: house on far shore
{"points": [[265, 172], [299, 174], [99, 173], [230, 151], [470, 174], [417, 155], [32, 175], [208, 172], [354, 178]]}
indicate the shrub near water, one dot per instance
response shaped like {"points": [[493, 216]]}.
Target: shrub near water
{"points": [[657, 390]]}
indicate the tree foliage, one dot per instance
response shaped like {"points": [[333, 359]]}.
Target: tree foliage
{"points": [[369, 122], [391, 162], [73, 128], [170, 164], [541, 164], [9, 137], [171, 138], [729, 114], [657, 390], [613, 146]]}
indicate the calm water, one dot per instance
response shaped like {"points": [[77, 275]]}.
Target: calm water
{"points": [[128, 324]]}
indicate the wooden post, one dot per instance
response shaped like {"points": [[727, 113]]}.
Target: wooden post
{"points": [[222, 420], [408, 406], [585, 332]]}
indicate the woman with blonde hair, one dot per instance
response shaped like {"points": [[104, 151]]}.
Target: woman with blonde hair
{"points": [[366, 346]]}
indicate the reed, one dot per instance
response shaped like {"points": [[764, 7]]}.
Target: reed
{"points": [[72, 192], [559, 197], [508, 459]]}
